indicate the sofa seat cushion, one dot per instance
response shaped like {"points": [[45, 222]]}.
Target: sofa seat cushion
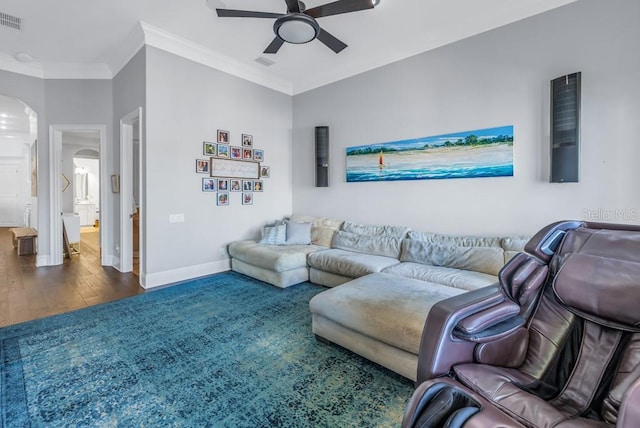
{"points": [[386, 307], [458, 278], [273, 257], [349, 263]]}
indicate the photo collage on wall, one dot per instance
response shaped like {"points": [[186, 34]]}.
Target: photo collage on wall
{"points": [[232, 169]]}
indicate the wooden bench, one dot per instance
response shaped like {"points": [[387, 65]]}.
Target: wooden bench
{"points": [[24, 239]]}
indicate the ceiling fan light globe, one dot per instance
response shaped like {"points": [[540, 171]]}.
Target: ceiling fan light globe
{"points": [[296, 28]]}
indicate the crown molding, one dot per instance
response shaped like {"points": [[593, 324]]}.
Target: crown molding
{"points": [[123, 53], [171, 43], [145, 34], [9, 63], [61, 70]]}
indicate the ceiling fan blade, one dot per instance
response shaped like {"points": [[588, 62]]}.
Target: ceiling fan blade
{"points": [[275, 46], [338, 7], [231, 13], [331, 42], [293, 6]]}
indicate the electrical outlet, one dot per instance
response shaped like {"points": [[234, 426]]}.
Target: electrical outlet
{"points": [[223, 251], [176, 218]]}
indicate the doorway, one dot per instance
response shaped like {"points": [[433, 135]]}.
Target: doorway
{"points": [[81, 200], [18, 164], [131, 197], [80, 141]]}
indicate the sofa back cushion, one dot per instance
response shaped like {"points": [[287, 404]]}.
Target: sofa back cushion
{"points": [[486, 259], [456, 240], [322, 228], [513, 245], [376, 245], [387, 231]]}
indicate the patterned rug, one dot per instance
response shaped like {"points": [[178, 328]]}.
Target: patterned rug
{"points": [[221, 351]]}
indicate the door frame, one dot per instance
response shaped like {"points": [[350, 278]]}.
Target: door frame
{"points": [[126, 193], [55, 193]]}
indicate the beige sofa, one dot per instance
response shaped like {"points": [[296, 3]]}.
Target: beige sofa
{"points": [[384, 280]]}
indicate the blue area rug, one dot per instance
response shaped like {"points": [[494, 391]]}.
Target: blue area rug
{"points": [[221, 351]]}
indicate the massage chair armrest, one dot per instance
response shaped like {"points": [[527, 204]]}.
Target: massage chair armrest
{"points": [[490, 324], [439, 349], [629, 414]]}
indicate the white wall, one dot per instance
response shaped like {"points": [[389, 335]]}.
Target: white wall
{"points": [[497, 78], [186, 104]]}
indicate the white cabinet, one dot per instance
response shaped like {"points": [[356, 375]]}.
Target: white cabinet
{"points": [[87, 213]]}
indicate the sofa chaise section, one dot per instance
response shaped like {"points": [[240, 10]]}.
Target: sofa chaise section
{"points": [[282, 265], [379, 316], [279, 265]]}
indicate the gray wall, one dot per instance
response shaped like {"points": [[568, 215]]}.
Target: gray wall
{"points": [[186, 104], [497, 78]]}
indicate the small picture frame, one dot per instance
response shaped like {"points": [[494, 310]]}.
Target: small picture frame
{"points": [[247, 198], [265, 171], [223, 136], [236, 152], [223, 184], [235, 185], [258, 155], [258, 186], [247, 154], [115, 183], [223, 151], [208, 184], [247, 140], [222, 198], [209, 148], [247, 185], [202, 166]]}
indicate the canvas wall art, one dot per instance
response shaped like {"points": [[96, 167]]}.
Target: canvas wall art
{"points": [[479, 153]]}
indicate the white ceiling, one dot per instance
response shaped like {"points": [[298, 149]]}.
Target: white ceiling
{"points": [[94, 39]]}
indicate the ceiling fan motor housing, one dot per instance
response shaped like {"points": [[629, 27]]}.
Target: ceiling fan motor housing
{"points": [[296, 28]]}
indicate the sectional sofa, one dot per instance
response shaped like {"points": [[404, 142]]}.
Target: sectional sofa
{"points": [[383, 280]]}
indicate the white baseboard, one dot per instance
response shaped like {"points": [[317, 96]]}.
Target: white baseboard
{"points": [[43, 260], [151, 280]]}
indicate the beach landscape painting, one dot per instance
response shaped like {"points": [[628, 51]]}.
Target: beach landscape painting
{"points": [[480, 153]]}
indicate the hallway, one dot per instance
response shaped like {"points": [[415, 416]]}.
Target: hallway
{"points": [[28, 293]]}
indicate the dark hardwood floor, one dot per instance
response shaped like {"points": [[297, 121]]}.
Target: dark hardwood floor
{"points": [[28, 293]]}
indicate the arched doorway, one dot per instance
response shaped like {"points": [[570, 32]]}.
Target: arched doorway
{"points": [[18, 164]]}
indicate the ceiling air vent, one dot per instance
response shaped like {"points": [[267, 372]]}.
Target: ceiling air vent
{"points": [[10, 21], [264, 61]]}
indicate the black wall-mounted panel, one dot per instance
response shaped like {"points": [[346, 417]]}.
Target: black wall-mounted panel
{"points": [[565, 129], [322, 156]]}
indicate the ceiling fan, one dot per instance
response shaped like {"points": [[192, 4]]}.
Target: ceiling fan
{"points": [[299, 24]]}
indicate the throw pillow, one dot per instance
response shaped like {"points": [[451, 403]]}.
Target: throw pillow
{"points": [[274, 235], [298, 233]]}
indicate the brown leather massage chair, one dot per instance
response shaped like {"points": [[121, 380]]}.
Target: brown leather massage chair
{"points": [[556, 343]]}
